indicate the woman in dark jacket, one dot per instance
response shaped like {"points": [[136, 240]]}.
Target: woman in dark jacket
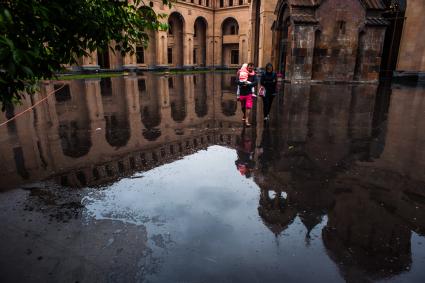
{"points": [[269, 82]]}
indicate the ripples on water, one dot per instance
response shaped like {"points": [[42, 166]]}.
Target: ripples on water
{"points": [[153, 178]]}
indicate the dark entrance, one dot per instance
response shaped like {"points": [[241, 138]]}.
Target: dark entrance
{"points": [[396, 16], [103, 58], [283, 47], [256, 16]]}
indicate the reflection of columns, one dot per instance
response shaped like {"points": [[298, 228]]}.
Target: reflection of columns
{"points": [[188, 49], [164, 92], [133, 103], [296, 118], [52, 146], [95, 112], [189, 94]]}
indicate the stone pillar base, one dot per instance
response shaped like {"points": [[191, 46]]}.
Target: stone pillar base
{"points": [[90, 67], [129, 67]]}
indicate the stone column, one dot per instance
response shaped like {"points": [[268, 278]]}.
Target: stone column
{"points": [[129, 61], [266, 35], [209, 51], [188, 49], [90, 62], [218, 51], [161, 49], [302, 52], [243, 49]]}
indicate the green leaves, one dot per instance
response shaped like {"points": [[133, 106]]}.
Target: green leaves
{"points": [[38, 36]]}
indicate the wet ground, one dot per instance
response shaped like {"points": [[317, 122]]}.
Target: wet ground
{"points": [[153, 178]]}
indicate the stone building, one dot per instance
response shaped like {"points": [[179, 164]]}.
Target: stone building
{"points": [[202, 33], [320, 40], [353, 40], [411, 56]]}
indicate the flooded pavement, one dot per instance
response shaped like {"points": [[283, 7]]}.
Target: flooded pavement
{"points": [[152, 178]]}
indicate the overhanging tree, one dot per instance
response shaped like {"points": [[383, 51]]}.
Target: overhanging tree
{"points": [[37, 37]]}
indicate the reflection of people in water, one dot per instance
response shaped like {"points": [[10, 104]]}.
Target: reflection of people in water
{"points": [[245, 150], [266, 153], [275, 211]]}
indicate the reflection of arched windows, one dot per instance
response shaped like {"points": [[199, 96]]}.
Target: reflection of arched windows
{"points": [[74, 122], [178, 100], [150, 110], [229, 107], [75, 139], [117, 132], [201, 103]]}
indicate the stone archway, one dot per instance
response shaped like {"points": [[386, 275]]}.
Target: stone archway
{"points": [[230, 42], [175, 51], [200, 42], [281, 37]]}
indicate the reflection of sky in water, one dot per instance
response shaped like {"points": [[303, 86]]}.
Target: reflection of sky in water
{"points": [[202, 221]]}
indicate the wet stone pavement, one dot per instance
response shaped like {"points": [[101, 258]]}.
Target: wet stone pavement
{"points": [[153, 178]]}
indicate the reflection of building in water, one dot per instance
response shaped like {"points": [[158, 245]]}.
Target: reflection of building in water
{"points": [[319, 129], [317, 162], [228, 93], [150, 106], [378, 204], [101, 128], [74, 129], [115, 109], [364, 235]]}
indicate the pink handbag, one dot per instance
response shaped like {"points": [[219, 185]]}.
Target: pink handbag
{"points": [[262, 92]]}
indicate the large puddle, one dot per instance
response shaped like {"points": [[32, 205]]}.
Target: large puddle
{"points": [[153, 178]]}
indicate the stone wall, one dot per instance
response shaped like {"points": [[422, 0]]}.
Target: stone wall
{"points": [[336, 40], [412, 49]]}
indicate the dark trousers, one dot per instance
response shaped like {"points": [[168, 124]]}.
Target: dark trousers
{"points": [[267, 104]]}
